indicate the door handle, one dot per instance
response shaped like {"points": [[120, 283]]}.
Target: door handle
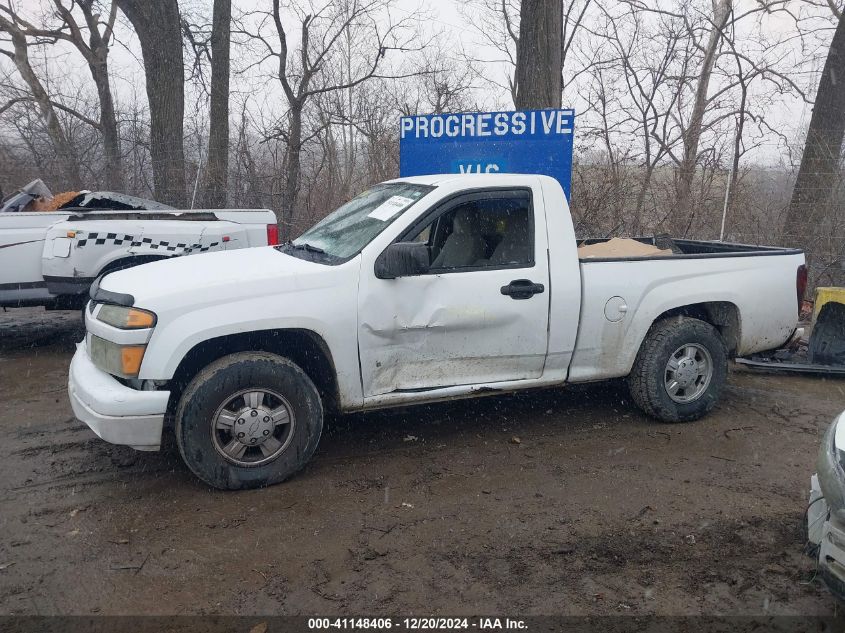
{"points": [[522, 289]]}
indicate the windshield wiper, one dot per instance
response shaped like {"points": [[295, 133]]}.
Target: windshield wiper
{"points": [[305, 246]]}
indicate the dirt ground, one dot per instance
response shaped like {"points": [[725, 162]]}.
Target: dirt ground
{"points": [[564, 501]]}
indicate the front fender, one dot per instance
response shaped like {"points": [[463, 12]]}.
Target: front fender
{"points": [[328, 312]]}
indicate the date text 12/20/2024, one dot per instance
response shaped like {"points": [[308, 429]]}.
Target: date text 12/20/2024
{"points": [[415, 624]]}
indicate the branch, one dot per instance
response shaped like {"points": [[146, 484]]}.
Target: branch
{"points": [[12, 102], [110, 24], [508, 24], [283, 54]]}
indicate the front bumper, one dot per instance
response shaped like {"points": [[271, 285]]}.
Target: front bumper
{"points": [[827, 536], [114, 412]]}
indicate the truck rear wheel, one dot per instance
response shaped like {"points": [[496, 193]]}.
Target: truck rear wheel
{"points": [[680, 370], [248, 420]]}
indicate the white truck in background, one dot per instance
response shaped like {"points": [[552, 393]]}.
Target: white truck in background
{"points": [[418, 290], [50, 258]]}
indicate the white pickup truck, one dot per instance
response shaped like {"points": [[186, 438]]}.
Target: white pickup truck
{"points": [[420, 289], [51, 258]]}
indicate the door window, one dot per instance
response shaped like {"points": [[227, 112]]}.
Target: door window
{"points": [[481, 232]]}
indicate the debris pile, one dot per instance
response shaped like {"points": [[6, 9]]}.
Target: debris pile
{"points": [[36, 197], [619, 247]]}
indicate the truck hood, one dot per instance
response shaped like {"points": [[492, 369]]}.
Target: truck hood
{"points": [[195, 281]]}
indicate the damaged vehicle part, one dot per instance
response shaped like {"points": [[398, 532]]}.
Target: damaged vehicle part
{"points": [[20, 199], [419, 290], [109, 200]]}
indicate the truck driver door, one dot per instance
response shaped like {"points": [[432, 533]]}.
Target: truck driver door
{"points": [[478, 315]]}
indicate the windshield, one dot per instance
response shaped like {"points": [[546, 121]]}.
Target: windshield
{"points": [[350, 228]]}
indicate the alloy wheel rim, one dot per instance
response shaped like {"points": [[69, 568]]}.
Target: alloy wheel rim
{"points": [[252, 427], [688, 373]]}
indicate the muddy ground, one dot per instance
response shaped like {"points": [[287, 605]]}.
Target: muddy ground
{"points": [[564, 501]]}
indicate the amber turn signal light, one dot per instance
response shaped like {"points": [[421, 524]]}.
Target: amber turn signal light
{"points": [[130, 359]]}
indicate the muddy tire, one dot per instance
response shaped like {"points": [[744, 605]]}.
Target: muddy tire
{"points": [[680, 370], [248, 420]]}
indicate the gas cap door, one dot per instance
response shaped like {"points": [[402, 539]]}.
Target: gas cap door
{"points": [[615, 309]]}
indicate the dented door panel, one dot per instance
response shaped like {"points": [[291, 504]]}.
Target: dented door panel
{"points": [[453, 329]]}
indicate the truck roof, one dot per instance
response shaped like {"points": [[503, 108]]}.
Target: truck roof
{"points": [[486, 179]]}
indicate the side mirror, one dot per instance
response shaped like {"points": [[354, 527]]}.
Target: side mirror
{"points": [[403, 259]]}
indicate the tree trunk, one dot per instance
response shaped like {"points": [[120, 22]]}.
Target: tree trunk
{"points": [[96, 53], [538, 55], [217, 164], [820, 172], [292, 167], [108, 125], [692, 135], [156, 22], [69, 162]]}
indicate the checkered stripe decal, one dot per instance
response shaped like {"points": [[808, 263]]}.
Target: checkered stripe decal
{"points": [[118, 239]]}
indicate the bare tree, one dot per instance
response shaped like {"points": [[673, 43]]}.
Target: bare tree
{"points": [[95, 51], [498, 24], [645, 57], [573, 19], [704, 86], [674, 99], [157, 24], [442, 84], [20, 56], [94, 48], [312, 70], [693, 130]]}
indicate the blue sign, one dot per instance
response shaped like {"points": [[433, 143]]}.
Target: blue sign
{"points": [[525, 142]]}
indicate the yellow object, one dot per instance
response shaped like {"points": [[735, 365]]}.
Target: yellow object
{"points": [[130, 359], [139, 319], [827, 294]]}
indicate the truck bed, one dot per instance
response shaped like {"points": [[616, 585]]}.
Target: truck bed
{"points": [[692, 249], [750, 290]]}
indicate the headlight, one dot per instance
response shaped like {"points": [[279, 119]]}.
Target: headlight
{"points": [[126, 318], [117, 360], [831, 467]]}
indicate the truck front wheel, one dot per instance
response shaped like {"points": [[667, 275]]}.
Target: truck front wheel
{"points": [[680, 370], [248, 420]]}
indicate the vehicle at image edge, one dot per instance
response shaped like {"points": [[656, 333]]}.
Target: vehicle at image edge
{"points": [[418, 290], [826, 510], [50, 258]]}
